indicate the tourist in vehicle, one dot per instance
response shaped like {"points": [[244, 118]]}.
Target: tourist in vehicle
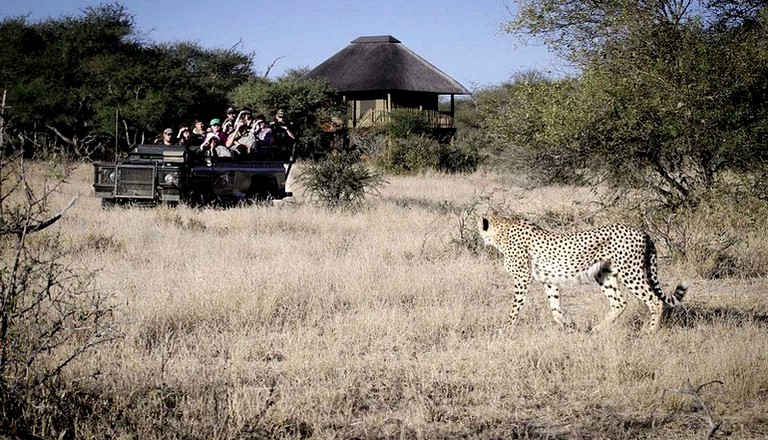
{"points": [[264, 139], [208, 147], [198, 133], [247, 118], [167, 137], [213, 147], [184, 137], [228, 126], [242, 139], [283, 132], [216, 129]]}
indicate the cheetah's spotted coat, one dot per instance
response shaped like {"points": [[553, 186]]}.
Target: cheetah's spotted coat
{"points": [[607, 255]]}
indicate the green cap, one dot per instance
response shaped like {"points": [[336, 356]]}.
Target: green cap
{"points": [[215, 121]]}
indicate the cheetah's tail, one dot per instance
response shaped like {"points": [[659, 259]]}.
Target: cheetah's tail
{"points": [[676, 297]]}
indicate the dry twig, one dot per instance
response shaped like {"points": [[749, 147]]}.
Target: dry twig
{"points": [[691, 391]]}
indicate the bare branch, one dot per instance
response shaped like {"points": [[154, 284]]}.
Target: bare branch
{"points": [[39, 226], [691, 391], [269, 69], [71, 141]]}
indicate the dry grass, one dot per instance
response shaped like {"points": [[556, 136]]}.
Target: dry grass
{"points": [[292, 322]]}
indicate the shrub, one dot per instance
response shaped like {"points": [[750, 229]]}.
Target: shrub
{"points": [[721, 236], [405, 123], [369, 143], [341, 181], [412, 154], [51, 313], [459, 157]]}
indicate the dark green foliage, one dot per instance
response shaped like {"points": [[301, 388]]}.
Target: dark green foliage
{"points": [[77, 74], [416, 154], [341, 181], [462, 156], [411, 154], [405, 123]]}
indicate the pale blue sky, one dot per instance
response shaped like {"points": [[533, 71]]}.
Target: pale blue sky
{"points": [[461, 38]]}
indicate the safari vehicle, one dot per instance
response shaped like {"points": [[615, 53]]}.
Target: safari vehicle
{"points": [[153, 174]]}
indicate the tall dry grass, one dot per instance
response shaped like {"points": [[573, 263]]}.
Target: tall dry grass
{"points": [[290, 321]]}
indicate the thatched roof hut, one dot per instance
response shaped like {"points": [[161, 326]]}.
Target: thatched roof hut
{"points": [[383, 63], [377, 74]]}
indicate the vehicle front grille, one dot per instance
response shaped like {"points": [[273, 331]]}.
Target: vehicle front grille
{"points": [[136, 181]]}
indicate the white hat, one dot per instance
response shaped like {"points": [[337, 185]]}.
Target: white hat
{"points": [[208, 138]]}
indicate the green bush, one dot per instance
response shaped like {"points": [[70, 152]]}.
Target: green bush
{"points": [[341, 181], [411, 154], [415, 154], [405, 123], [459, 157]]}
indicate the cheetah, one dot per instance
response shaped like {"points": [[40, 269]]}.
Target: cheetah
{"points": [[607, 255]]}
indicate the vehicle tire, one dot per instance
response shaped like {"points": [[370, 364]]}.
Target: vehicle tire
{"points": [[262, 190]]}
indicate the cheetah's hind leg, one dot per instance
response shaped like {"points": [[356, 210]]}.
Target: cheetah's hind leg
{"points": [[553, 296], [610, 287]]}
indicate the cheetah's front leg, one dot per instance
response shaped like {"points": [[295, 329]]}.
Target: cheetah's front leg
{"points": [[521, 289], [516, 266]]}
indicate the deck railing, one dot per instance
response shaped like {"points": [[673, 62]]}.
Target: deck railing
{"points": [[433, 118]]}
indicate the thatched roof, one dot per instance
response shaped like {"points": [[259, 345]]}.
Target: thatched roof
{"points": [[383, 63]]}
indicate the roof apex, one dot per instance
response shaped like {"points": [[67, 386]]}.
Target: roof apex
{"points": [[376, 39]]}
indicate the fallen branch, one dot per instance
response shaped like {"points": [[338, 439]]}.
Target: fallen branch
{"points": [[691, 391]]}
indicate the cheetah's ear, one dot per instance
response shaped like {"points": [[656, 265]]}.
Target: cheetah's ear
{"points": [[485, 224]]}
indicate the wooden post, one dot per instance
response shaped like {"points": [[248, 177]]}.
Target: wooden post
{"points": [[354, 113], [2, 121], [453, 111]]}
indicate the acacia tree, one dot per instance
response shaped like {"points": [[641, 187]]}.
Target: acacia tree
{"points": [[48, 86], [672, 92]]}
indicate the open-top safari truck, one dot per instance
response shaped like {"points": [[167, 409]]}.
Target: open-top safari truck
{"points": [[153, 174]]}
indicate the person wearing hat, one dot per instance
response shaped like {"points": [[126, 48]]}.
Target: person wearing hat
{"points": [[184, 138], [283, 132], [213, 146], [263, 133], [216, 129], [246, 116], [167, 137], [242, 139], [228, 126]]}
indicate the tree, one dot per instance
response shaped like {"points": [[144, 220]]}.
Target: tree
{"points": [[51, 78], [581, 30], [672, 93], [79, 73], [533, 124]]}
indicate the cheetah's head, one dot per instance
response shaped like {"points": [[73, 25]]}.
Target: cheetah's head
{"points": [[491, 230]]}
